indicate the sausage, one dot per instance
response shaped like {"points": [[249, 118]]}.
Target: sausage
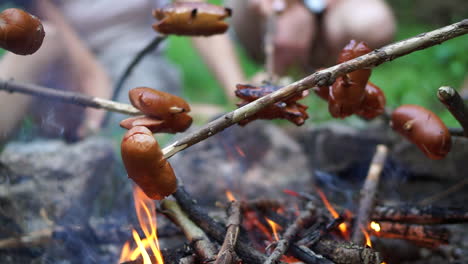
{"points": [[20, 32], [156, 103], [191, 19], [373, 104], [145, 164], [348, 91], [424, 129], [176, 124]]}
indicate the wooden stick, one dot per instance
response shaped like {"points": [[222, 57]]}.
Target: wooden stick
{"points": [[429, 236], [423, 215], [227, 254], [320, 78], [138, 57], [346, 252], [454, 103], [290, 234], [68, 97], [454, 188], [202, 244], [368, 192]]}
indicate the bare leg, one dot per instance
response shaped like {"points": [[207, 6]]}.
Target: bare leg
{"points": [[371, 21]]}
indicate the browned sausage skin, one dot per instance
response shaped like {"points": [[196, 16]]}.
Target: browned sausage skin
{"points": [[423, 128], [157, 103], [191, 19], [145, 164], [20, 32]]}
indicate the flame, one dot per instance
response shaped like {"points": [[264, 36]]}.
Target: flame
{"points": [[343, 228], [375, 226], [230, 196], [146, 213], [366, 235], [274, 227], [240, 151]]}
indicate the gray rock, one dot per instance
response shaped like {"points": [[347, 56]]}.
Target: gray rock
{"points": [[54, 179], [258, 160]]}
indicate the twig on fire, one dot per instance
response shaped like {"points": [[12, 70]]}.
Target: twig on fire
{"points": [[68, 97], [454, 103], [202, 244], [368, 192], [213, 228], [227, 254], [321, 78], [346, 252], [290, 234], [428, 236]]}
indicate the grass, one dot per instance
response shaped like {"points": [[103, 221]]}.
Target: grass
{"points": [[412, 79]]}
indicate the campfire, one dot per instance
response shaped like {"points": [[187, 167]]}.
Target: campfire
{"points": [[277, 208]]}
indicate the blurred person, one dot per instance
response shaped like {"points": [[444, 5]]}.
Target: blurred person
{"points": [[88, 44], [310, 33]]}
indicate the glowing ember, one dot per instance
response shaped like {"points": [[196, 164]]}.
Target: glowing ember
{"points": [[146, 212], [366, 235], [240, 151], [343, 228], [274, 227], [230, 196], [375, 226]]}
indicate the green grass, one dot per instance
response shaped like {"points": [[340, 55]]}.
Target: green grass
{"points": [[412, 79]]}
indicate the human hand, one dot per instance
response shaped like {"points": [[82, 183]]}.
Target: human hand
{"points": [[293, 35]]}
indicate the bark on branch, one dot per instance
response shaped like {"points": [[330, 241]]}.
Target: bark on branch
{"points": [[321, 78], [68, 97]]}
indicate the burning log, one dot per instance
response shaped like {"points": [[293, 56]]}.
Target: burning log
{"points": [[213, 228], [454, 103], [170, 257], [226, 254], [346, 252], [290, 234], [202, 245], [368, 193], [422, 215], [429, 236]]}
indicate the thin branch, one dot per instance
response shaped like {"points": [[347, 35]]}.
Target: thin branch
{"points": [[154, 44], [368, 193], [227, 254], [454, 103], [290, 234], [68, 97], [139, 56], [202, 244], [321, 78]]}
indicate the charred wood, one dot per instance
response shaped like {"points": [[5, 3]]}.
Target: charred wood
{"points": [[423, 215], [227, 254], [428, 236]]}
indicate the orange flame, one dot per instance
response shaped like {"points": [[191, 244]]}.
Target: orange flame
{"points": [[274, 227], [366, 235], [343, 228], [146, 213], [230, 196], [375, 226]]}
